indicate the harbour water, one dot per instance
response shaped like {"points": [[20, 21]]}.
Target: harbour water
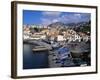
{"points": [[49, 58], [33, 60]]}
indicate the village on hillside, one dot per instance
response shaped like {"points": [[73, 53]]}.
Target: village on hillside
{"points": [[55, 33]]}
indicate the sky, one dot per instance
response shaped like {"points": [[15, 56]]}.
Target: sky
{"points": [[48, 17]]}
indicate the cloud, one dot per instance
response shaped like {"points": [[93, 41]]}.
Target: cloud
{"points": [[51, 13], [55, 20], [51, 17], [45, 21], [77, 15]]}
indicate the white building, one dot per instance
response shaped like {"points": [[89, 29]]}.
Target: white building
{"points": [[43, 36], [71, 35], [60, 38], [86, 38], [26, 33]]}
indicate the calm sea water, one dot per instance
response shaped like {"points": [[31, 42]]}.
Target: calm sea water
{"points": [[33, 60]]}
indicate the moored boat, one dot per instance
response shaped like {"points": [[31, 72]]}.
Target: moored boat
{"points": [[39, 48]]}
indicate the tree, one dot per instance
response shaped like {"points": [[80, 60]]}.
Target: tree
{"points": [[36, 29]]}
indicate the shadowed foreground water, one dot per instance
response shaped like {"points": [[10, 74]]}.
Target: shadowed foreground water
{"points": [[33, 60]]}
